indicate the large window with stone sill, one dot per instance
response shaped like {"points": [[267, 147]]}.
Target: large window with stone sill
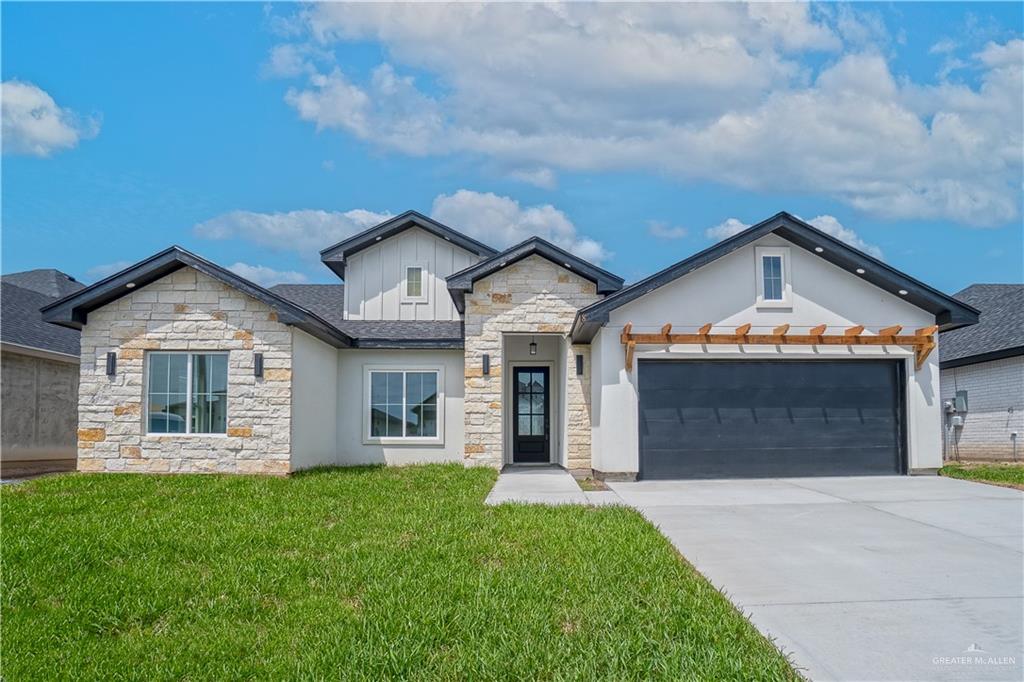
{"points": [[186, 393]]}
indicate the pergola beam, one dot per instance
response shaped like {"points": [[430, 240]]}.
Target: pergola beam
{"points": [[922, 341]]}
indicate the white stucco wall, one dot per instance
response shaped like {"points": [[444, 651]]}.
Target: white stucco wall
{"points": [[314, 402], [352, 402], [724, 293], [373, 278]]}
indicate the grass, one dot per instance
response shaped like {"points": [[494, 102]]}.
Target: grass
{"points": [[1006, 474], [367, 573]]}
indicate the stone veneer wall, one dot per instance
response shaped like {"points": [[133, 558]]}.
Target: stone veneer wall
{"points": [[185, 310], [533, 296]]}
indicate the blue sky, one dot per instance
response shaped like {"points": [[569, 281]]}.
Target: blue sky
{"points": [[638, 135]]}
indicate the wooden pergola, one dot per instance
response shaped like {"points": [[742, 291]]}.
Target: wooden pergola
{"points": [[922, 340]]}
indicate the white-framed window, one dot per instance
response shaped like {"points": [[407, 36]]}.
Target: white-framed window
{"points": [[414, 283], [774, 288], [404, 404], [186, 393]]}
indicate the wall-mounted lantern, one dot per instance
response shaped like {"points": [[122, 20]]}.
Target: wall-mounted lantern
{"points": [[487, 364], [533, 346], [579, 365], [258, 365], [111, 363]]}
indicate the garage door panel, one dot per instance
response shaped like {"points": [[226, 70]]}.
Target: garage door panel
{"points": [[712, 419]]}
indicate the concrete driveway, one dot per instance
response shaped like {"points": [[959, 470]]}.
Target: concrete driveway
{"points": [[873, 578]]}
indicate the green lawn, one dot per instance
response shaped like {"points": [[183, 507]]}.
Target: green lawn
{"points": [[357, 574], [1003, 474]]}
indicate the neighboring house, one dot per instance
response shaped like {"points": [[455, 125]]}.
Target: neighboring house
{"points": [[747, 359], [983, 365], [38, 376]]}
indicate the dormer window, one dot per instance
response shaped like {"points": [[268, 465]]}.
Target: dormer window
{"points": [[414, 285], [774, 288]]}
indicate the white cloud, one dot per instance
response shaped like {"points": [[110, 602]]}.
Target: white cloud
{"points": [[664, 231], [305, 232], [831, 226], [725, 229], [539, 177], [33, 124], [706, 92], [267, 277], [101, 271], [495, 220], [828, 224], [501, 221], [943, 46]]}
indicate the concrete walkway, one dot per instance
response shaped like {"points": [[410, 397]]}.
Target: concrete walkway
{"points": [[544, 485], [861, 578]]}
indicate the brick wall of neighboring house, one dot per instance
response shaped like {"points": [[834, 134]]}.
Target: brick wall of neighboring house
{"points": [[185, 310], [533, 295], [995, 401]]}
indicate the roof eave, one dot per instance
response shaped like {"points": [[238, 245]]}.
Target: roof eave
{"points": [[392, 226], [461, 282], [949, 313], [975, 359], [73, 310]]}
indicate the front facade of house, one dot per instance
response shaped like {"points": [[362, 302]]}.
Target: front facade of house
{"points": [[779, 351]]}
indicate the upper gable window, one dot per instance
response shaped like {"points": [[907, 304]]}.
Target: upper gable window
{"points": [[773, 281], [414, 284]]}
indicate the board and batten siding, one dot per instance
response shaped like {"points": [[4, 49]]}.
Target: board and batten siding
{"points": [[373, 278]]}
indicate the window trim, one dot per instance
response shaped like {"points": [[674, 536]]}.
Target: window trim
{"points": [[424, 295], [402, 440], [787, 287], [188, 403]]}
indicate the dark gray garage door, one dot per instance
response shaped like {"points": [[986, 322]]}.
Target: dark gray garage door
{"points": [[727, 419]]}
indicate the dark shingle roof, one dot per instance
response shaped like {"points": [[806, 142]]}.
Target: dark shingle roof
{"points": [[999, 333], [328, 302], [404, 333], [22, 324], [46, 281]]}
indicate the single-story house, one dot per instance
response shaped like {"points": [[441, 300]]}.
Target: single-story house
{"points": [[38, 376], [982, 377], [780, 351]]}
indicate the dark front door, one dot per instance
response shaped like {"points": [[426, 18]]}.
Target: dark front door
{"points": [[745, 419], [531, 421]]}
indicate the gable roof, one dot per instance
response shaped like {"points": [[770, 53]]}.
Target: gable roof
{"points": [[21, 323], [462, 281], [46, 281], [998, 334], [949, 313], [335, 256], [73, 310]]}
